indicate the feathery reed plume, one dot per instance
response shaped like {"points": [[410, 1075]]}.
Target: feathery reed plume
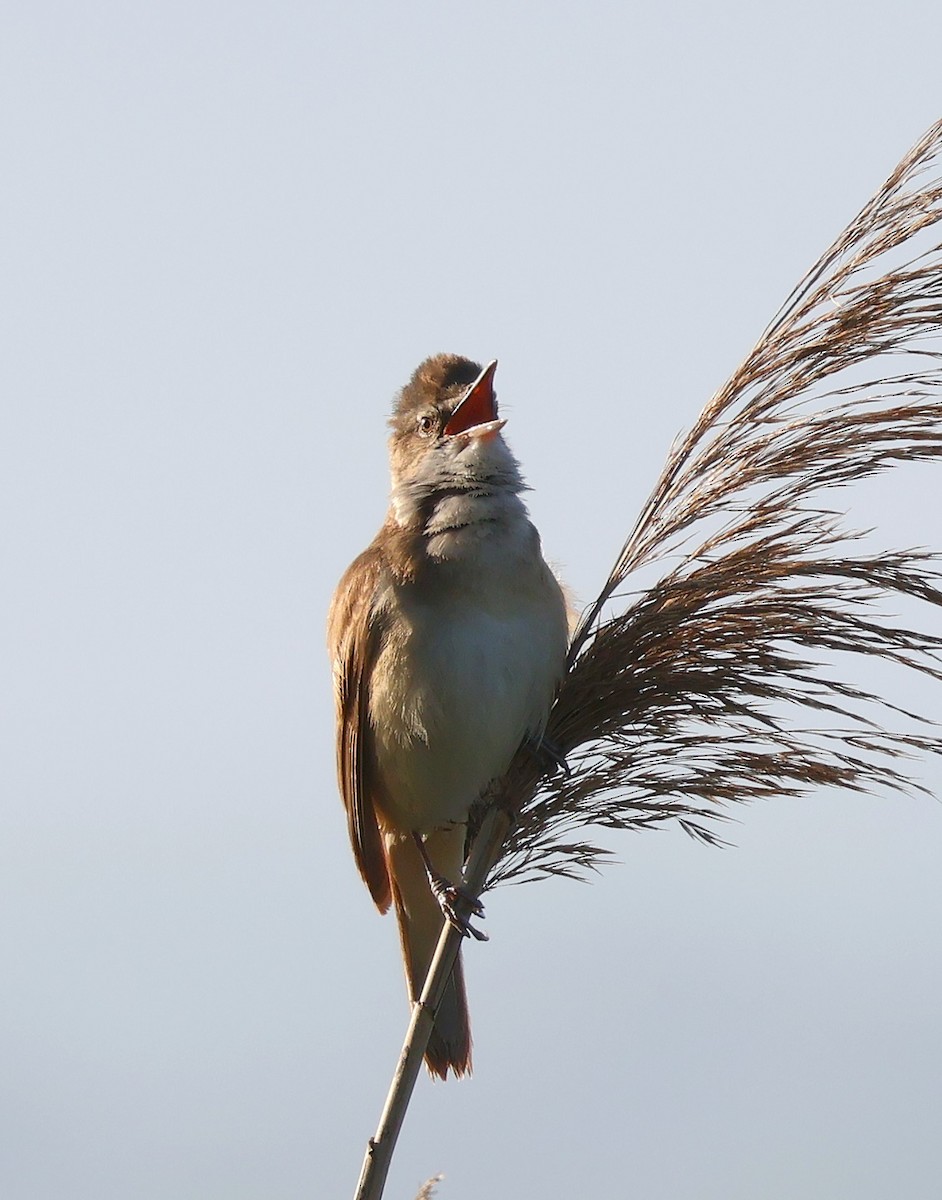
{"points": [[718, 685]]}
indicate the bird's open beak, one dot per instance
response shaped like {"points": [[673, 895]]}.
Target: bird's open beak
{"points": [[477, 413]]}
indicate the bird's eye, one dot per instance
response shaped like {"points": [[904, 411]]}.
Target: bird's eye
{"points": [[426, 424]]}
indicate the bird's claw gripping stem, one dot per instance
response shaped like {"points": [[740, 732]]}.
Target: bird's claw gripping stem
{"points": [[458, 906]]}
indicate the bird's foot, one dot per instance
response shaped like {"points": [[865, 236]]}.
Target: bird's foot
{"points": [[547, 753], [458, 905]]}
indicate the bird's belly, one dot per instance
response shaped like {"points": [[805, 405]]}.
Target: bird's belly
{"points": [[457, 697]]}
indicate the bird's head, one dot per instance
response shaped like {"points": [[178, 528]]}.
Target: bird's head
{"points": [[446, 435]]}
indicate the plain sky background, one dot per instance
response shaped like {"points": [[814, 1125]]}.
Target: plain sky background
{"points": [[229, 233]]}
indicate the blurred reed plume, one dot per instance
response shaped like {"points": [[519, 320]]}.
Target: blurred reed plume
{"points": [[722, 682]]}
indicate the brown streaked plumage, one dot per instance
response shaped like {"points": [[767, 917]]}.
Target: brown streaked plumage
{"points": [[448, 638]]}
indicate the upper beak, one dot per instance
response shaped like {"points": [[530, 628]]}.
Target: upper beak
{"points": [[478, 408]]}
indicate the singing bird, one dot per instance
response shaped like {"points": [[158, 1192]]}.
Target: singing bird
{"points": [[447, 638]]}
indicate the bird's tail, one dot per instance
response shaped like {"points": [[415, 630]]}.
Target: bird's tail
{"points": [[420, 926]]}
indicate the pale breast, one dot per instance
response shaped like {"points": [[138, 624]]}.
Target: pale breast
{"points": [[469, 667]]}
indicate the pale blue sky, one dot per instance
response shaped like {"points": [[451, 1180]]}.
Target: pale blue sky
{"points": [[230, 232]]}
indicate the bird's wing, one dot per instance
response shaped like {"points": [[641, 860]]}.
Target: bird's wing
{"points": [[353, 637]]}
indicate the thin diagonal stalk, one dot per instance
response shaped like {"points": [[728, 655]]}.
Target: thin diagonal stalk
{"points": [[722, 682], [379, 1150]]}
